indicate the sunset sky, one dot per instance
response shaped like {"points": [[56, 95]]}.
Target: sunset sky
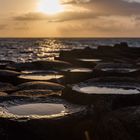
{"points": [[69, 18]]}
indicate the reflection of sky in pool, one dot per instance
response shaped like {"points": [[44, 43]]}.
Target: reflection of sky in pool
{"points": [[41, 77], [78, 70], [38, 71], [90, 60], [39, 109], [123, 70], [104, 90]]}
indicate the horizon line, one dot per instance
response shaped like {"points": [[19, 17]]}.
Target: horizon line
{"points": [[90, 37]]}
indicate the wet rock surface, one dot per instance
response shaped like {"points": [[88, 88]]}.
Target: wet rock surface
{"points": [[40, 118], [89, 94]]}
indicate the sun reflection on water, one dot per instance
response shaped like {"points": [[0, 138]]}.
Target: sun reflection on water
{"points": [[28, 50]]}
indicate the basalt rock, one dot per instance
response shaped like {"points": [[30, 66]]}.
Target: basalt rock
{"points": [[77, 53], [118, 51], [41, 65]]}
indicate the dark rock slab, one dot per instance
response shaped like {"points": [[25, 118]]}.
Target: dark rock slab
{"points": [[77, 53], [9, 76], [86, 62], [41, 65], [8, 73], [5, 63], [77, 74], [83, 62]]}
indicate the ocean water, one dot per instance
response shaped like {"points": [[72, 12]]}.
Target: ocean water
{"points": [[27, 50]]}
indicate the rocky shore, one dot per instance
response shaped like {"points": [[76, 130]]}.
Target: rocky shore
{"points": [[89, 94]]}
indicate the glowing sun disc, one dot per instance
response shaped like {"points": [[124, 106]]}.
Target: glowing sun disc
{"points": [[50, 7]]}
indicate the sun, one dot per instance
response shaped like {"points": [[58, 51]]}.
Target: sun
{"points": [[50, 7]]}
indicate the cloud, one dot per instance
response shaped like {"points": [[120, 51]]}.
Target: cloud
{"points": [[21, 26], [104, 26], [82, 1], [31, 16], [86, 17], [74, 1], [3, 26], [131, 1], [61, 17], [86, 9], [119, 7]]}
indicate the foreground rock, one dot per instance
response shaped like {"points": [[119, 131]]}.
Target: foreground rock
{"points": [[40, 119], [120, 124]]}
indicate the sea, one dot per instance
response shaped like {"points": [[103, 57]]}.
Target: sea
{"points": [[34, 49]]}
